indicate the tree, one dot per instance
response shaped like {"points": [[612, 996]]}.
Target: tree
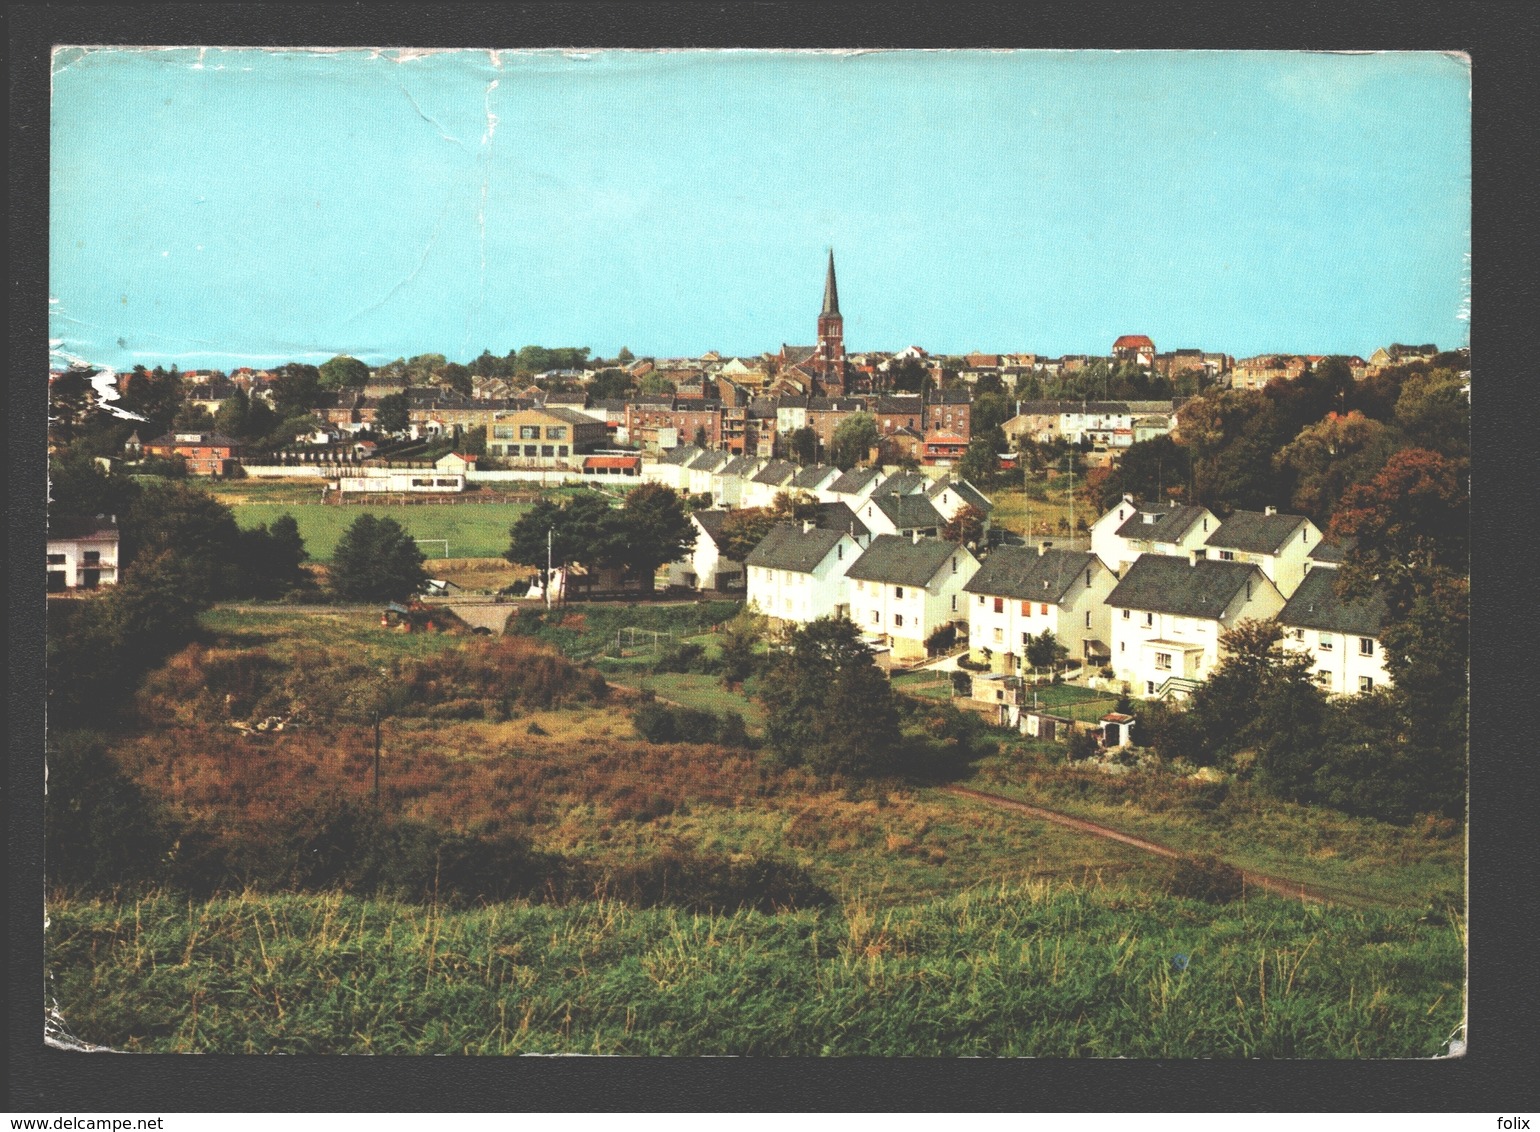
{"points": [[610, 383], [1433, 412], [344, 372], [272, 558], [853, 440], [192, 418], [744, 529], [803, 445], [966, 527], [908, 375], [1328, 457], [234, 415], [991, 410], [625, 357], [392, 415], [1045, 651], [656, 529], [376, 561], [828, 705], [655, 384], [456, 377], [583, 529], [195, 529], [1148, 469], [981, 462], [71, 399], [296, 388]]}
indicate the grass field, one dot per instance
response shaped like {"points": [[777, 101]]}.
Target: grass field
{"points": [[473, 530], [1041, 503], [1033, 970]]}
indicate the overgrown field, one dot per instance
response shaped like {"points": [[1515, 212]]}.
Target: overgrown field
{"points": [[1041, 969]]}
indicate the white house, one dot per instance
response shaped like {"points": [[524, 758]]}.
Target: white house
{"points": [[700, 477], [903, 589], [764, 485], [1130, 529], [949, 496], [704, 568], [908, 515], [852, 487], [1341, 637], [814, 478], [82, 552], [1279, 544], [728, 481], [1022, 591], [1167, 615], [797, 573]]}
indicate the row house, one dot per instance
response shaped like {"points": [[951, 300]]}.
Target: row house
{"points": [[853, 487], [899, 410], [950, 495], [949, 411], [1397, 354], [797, 573], [826, 414], [666, 422], [1280, 545], [543, 437], [1168, 614], [1254, 373], [897, 513], [767, 483], [1341, 637], [1022, 592], [814, 478], [705, 567], [205, 453], [82, 552], [904, 589]]}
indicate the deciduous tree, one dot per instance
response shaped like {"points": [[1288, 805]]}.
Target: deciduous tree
{"points": [[376, 561]]}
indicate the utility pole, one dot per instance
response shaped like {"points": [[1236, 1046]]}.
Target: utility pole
{"points": [[549, 535], [376, 758]]}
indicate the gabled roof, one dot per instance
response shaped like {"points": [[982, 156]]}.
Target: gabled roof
{"points": [[899, 560], [1164, 583], [1316, 605], [902, 483], [710, 521], [908, 512], [1329, 550], [839, 517], [738, 466], [794, 354], [81, 526], [1133, 341], [776, 473], [709, 461], [835, 405], [900, 403], [949, 397], [680, 455], [964, 491], [1255, 532], [1167, 525], [811, 476], [1021, 572], [854, 481], [789, 547]]}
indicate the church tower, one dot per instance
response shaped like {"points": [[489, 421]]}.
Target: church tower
{"points": [[831, 333]]}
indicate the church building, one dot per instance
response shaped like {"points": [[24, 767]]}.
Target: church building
{"points": [[823, 367]]}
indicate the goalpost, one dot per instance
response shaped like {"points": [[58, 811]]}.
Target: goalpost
{"points": [[443, 541]]}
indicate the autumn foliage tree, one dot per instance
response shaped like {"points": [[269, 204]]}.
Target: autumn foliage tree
{"points": [[966, 527]]}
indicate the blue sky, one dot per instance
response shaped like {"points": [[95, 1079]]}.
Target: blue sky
{"points": [[228, 207]]}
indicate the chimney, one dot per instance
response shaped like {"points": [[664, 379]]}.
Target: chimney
{"points": [[1269, 510], [916, 534], [807, 525]]}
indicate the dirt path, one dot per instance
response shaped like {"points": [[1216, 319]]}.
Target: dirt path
{"points": [[1289, 888]]}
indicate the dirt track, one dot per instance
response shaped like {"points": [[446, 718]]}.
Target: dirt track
{"points": [[1281, 887]]}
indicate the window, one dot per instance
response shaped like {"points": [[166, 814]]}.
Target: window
{"points": [[1366, 683], [1327, 643], [1088, 619], [547, 450], [954, 563], [502, 432], [999, 635], [56, 560], [954, 603], [561, 449], [999, 605], [1149, 687], [529, 432], [531, 449], [876, 617], [981, 599], [1149, 620], [1163, 661], [1043, 608], [1227, 556], [839, 552], [1088, 576], [1297, 634], [898, 620], [1365, 646], [1122, 646], [556, 432], [898, 593], [1126, 612]]}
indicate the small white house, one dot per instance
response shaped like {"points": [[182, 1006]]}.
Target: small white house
{"points": [[1130, 529], [1341, 637], [82, 552], [797, 573], [1022, 591], [771, 480], [852, 488], [904, 589], [1167, 615]]}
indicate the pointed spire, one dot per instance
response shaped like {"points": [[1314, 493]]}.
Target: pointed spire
{"points": [[831, 294]]}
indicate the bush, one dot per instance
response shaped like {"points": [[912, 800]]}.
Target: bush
{"points": [[664, 723], [1205, 878], [941, 640], [1082, 745], [683, 657]]}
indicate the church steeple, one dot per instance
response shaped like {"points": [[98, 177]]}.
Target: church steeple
{"points": [[831, 292]]}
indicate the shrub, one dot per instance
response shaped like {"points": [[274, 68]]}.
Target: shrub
{"points": [[1205, 878], [1082, 745], [664, 723], [685, 656], [941, 640]]}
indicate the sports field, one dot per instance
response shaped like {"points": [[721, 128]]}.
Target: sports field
{"points": [[473, 530]]}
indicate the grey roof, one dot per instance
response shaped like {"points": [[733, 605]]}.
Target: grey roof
{"points": [[775, 473], [1255, 532], [789, 547], [1164, 583], [853, 481], [899, 560], [681, 454], [709, 461], [900, 403], [80, 526], [1316, 605], [812, 475], [571, 416], [1330, 550], [1168, 526], [796, 354], [908, 512], [835, 405], [839, 517], [1021, 572], [949, 397], [965, 491], [902, 483], [710, 522], [1054, 408], [738, 466]]}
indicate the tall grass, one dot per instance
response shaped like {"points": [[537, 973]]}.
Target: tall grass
{"points": [[1034, 970]]}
